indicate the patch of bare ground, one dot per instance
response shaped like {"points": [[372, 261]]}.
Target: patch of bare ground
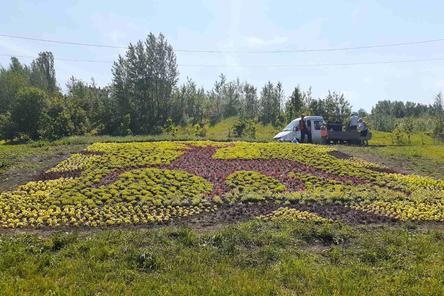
{"points": [[391, 167], [31, 167]]}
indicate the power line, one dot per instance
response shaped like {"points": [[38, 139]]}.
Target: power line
{"points": [[61, 42], [60, 59], [321, 64], [313, 65], [331, 49]]}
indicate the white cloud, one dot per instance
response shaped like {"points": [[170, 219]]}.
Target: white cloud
{"points": [[254, 41]]}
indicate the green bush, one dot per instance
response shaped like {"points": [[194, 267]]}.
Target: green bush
{"points": [[244, 128]]}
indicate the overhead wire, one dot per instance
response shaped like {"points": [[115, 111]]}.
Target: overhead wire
{"points": [[217, 51], [313, 65]]}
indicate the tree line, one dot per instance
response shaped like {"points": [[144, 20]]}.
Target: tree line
{"points": [[409, 116], [144, 98]]}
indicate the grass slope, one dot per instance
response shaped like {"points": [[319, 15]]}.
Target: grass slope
{"points": [[386, 138], [427, 160], [247, 259], [221, 130], [263, 132]]}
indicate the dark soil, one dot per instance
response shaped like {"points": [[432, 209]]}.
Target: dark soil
{"points": [[343, 155], [88, 152], [241, 211], [30, 167], [339, 154], [338, 212], [387, 171], [56, 175], [231, 213]]}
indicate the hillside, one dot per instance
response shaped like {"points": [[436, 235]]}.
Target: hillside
{"points": [[221, 130]]}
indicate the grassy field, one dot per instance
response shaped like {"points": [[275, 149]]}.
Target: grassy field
{"points": [[263, 132], [221, 130], [385, 138], [253, 258], [427, 160], [423, 156]]}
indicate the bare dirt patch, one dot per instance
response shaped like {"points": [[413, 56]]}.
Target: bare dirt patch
{"points": [[30, 167], [243, 211], [339, 154]]}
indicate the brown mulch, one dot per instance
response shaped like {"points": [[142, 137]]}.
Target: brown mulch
{"points": [[56, 175], [231, 213], [343, 155], [243, 211], [339, 212], [339, 154], [386, 170], [88, 152]]}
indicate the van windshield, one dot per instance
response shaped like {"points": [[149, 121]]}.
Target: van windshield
{"points": [[291, 126]]}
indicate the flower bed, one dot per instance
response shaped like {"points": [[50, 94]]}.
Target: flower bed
{"points": [[163, 182]]}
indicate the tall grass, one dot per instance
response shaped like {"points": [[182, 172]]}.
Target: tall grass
{"points": [[249, 259]]}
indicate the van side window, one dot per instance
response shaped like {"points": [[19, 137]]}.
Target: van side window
{"points": [[317, 125]]}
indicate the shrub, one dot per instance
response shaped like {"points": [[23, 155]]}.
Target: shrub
{"points": [[244, 127]]}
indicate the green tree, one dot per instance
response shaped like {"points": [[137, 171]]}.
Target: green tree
{"points": [[250, 106], [64, 117], [438, 112], [243, 128], [397, 135], [143, 81], [188, 104], [231, 105], [407, 126], [225, 99], [11, 80], [43, 74], [385, 113], [337, 108], [295, 104], [270, 103], [27, 113], [93, 100], [170, 128], [362, 113], [316, 107], [216, 97]]}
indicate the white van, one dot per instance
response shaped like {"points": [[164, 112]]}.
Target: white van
{"points": [[291, 132]]}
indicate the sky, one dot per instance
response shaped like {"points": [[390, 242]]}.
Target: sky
{"points": [[236, 27]]}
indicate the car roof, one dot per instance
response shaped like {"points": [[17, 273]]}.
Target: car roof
{"points": [[310, 117]]}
